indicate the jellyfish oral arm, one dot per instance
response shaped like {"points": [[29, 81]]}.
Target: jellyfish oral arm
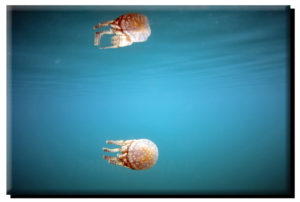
{"points": [[122, 156], [120, 160], [111, 150], [119, 40], [119, 142], [115, 161], [102, 24], [98, 36]]}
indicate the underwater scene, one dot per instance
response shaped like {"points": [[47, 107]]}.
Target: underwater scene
{"points": [[148, 100]]}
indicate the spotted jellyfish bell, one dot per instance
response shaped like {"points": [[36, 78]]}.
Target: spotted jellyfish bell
{"points": [[139, 154]]}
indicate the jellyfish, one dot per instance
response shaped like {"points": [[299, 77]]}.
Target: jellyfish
{"points": [[138, 154], [128, 28]]}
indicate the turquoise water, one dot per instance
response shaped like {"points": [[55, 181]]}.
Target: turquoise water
{"points": [[210, 87]]}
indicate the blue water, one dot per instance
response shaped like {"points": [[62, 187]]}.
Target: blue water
{"points": [[210, 87]]}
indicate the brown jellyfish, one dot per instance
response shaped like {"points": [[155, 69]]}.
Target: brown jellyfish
{"points": [[128, 28], [139, 154]]}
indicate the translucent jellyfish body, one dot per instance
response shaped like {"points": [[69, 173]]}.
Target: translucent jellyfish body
{"points": [[139, 154], [127, 29]]}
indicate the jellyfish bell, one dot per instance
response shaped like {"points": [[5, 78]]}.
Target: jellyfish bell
{"points": [[142, 154], [127, 29], [139, 154]]}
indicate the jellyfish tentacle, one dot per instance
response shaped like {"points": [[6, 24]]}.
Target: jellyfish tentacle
{"points": [[98, 36], [102, 24]]}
